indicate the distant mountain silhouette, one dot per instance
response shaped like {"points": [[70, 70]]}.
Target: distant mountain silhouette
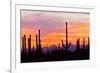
{"points": [[72, 48], [63, 51], [49, 48]]}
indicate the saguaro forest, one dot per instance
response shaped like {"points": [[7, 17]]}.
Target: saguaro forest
{"points": [[54, 36]]}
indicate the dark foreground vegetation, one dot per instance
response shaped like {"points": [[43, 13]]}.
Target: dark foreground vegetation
{"points": [[60, 53]]}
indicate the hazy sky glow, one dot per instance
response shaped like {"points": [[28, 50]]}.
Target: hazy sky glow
{"points": [[52, 26]]}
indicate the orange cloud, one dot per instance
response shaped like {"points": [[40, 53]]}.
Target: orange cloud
{"points": [[52, 26]]}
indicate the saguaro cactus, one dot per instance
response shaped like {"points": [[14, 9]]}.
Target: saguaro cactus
{"points": [[83, 43], [39, 40], [29, 44], [78, 44], [24, 43], [88, 43], [67, 44]]}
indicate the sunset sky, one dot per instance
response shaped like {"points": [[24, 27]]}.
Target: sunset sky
{"points": [[52, 26]]}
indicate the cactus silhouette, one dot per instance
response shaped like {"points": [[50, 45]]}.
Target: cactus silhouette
{"points": [[29, 44], [83, 43], [38, 43], [39, 40], [67, 45], [58, 53], [88, 46], [78, 44], [24, 43]]}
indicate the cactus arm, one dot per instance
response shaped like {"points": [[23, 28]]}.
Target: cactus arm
{"points": [[69, 45], [63, 44]]}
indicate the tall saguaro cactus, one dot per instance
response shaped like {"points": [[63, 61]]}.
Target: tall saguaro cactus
{"points": [[38, 42], [66, 35], [29, 44], [24, 43], [83, 43], [88, 43], [78, 44], [67, 45]]}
